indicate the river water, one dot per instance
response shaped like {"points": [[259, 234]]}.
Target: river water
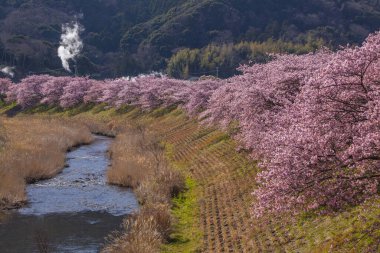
{"points": [[74, 211]]}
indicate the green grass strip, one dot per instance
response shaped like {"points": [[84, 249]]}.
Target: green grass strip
{"points": [[187, 235]]}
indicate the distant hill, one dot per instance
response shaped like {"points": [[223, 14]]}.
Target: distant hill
{"points": [[130, 36]]}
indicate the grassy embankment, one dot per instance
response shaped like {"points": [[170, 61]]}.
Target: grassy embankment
{"points": [[212, 214]]}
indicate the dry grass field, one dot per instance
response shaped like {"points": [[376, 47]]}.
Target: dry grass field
{"points": [[33, 148]]}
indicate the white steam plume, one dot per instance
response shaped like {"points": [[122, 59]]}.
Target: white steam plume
{"points": [[9, 71], [71, 44]]}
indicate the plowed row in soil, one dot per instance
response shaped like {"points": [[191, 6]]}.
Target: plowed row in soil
{"points": [[225, 178]]}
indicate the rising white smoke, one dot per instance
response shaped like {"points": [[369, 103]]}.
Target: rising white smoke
{"points": [[151, 74], [71, 44], [9, 71]]}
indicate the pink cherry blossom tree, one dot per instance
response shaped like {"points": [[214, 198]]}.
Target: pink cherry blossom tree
{"points": [[95, 91], [75, 91], [325, 152], [52, 90], [29, 90]]}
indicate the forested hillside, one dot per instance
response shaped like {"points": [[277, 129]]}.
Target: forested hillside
{"points": [[124, 37]]}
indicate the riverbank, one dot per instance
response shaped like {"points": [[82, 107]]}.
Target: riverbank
{"points": [[34, 148], [213, 213]]}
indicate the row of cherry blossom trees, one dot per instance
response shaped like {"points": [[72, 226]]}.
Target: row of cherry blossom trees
{"points": [[312, 120]]}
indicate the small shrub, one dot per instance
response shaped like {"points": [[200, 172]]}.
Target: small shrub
{"points": [[140, 235], [162, 217]]}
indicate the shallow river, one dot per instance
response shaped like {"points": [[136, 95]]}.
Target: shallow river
{"points": [[74, 211]]}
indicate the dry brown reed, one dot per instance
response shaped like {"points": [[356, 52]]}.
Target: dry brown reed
{"points": [[142, 232], [135, 156], [140, 236], [130, 164], [138, 161], [161, 187], [34, 149]]}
